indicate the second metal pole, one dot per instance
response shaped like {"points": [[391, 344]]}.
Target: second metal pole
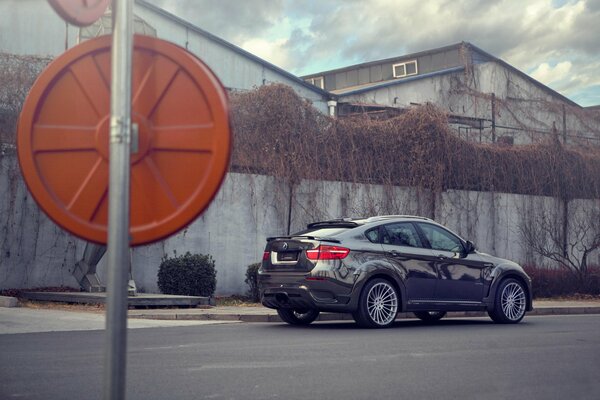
{"points": [[118, 202]]}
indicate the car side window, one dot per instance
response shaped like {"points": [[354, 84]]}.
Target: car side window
{"points": [[401, 234], [373, 235], [441, 239]]}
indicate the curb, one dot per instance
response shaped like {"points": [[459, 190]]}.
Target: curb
{"points": [[8, 302], [273, 317], [565, 311]]}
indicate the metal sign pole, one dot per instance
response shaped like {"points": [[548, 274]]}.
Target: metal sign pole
{"points": [[118, 201]]}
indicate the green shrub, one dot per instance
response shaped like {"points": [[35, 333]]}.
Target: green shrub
{"points": [[188, 275], [252, 281]]}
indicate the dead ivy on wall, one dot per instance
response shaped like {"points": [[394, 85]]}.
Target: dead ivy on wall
{"points": [[17, 74], [278, 133], [519, 111]]}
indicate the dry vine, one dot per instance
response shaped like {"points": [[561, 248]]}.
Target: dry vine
{"points": [[278, 133], [17, 74]]}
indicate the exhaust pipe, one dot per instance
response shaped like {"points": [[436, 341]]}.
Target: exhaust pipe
{"points": [[282, 298]]}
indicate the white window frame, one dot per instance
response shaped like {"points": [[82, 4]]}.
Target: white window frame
{"points": [[316, 79], [404, 64]]}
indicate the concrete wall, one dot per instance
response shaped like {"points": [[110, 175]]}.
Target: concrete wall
{"points": [[34, 252]]}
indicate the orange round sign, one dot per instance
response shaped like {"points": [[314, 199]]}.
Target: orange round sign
{"points": [[178, 161], [80, 12]]}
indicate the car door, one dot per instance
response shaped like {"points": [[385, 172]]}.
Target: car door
{"points": [[460, 275], [416, 265]]}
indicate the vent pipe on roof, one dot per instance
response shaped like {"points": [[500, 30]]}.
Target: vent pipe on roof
{"points": [[332, 104]]}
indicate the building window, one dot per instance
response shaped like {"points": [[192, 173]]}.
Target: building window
{"points": [[405, 69], [317, 81]]}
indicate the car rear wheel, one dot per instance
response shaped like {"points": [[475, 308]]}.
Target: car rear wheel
{"points": [[297, 317], [510, 302], [430, 316], [378, 305]]}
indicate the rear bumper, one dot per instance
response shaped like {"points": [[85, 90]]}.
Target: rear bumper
{"points": [[302, 297], [287, 298]]}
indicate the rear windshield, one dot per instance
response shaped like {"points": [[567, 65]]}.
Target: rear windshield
{"points": [[321, 232]]}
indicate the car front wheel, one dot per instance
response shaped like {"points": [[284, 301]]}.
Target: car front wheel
{"points": [[297, 317], [510, 302], [378, 305]]}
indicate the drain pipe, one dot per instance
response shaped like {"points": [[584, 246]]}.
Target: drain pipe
{"points": [[332, 104]]}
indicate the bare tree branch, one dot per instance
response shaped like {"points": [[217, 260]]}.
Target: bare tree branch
{"points": [[540, 229]]}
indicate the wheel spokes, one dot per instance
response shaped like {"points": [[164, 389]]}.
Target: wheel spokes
{"points": [[94, 186], [194, 138], [382, 303], [96, 90], [60, 139], [154, 85], [513, 301]]}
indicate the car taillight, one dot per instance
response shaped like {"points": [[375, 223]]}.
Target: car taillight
{"points": [[325, 252], [266, 255]]}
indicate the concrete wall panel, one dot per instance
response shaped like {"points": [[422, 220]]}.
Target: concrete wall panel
{"points": [[248, 209]]}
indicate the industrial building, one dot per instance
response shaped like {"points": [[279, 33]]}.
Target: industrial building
{"points": [[20, 22], [486, 98]]}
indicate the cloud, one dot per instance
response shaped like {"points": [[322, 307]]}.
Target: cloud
{"points": [[256, 26], [306, 36], [274, 51], [232, 20], [548, 74], [526, 35]]}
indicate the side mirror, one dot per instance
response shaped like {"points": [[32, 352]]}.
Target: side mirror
{"points": [[470, 247]]}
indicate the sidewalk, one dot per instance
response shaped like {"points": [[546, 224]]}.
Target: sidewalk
{"points": [[258, 313], [16, 320], [263, 314]]}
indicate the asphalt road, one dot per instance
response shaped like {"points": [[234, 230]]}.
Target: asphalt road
{"points": [[550, 357]]}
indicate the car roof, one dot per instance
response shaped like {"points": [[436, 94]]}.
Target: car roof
{"points": [[379, 218], [354, 222]]}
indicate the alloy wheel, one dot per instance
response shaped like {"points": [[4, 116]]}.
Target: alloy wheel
{"points": [[382, 303], [513, 301]]}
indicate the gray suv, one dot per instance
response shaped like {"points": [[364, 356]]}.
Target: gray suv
{"points": [[375, 267]]}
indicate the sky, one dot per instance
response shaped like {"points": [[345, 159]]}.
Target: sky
{"points": [[556, 42]]}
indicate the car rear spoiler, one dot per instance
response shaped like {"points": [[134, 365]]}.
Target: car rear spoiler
{"points": [[334, 223], [324, 239]]}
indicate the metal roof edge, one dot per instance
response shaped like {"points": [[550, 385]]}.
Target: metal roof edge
{"points": [[369, 63], [521, 73], [233, 47], [468, 45], [400, 81]]}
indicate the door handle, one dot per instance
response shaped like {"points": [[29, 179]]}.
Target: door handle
{"points": [[398, 255]]}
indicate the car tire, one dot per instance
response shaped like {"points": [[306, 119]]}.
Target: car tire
{"points": [[378, 304], [510, 302], [297, 317], [430, 316]]}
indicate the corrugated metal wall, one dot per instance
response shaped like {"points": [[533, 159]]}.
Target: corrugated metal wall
{"points": [[383, 71]]}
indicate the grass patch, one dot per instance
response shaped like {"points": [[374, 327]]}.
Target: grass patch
{"points": [[235, 301]]}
